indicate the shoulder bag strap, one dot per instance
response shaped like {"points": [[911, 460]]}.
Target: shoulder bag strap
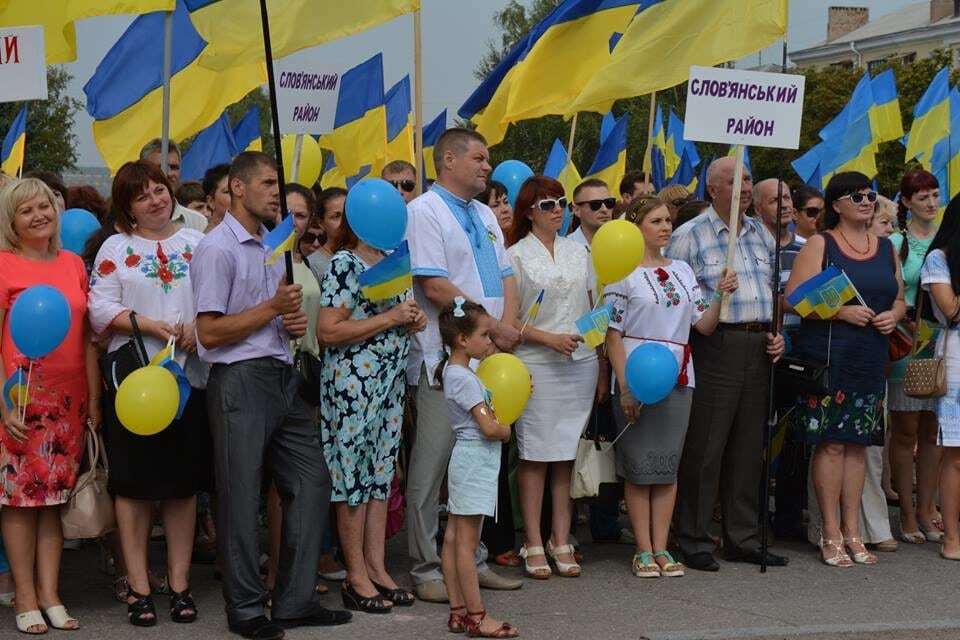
{"points": [[138, 339], [916, 324]]}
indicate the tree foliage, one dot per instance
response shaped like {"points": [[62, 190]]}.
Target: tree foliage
{"points": [[51, 144]]}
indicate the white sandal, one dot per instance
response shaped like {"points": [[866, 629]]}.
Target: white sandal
{"points": [[537, 573], [29, 619], [564, 569], [59, 618]]}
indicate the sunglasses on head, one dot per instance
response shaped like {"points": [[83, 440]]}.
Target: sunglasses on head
{"points": [[549, 204], [679, 202], [405, 185], [812, 212], [595, 205], [857, 198]]}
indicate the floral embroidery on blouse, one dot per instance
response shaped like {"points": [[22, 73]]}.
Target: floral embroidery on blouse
{"points": [[669, 288], [695, 296]]}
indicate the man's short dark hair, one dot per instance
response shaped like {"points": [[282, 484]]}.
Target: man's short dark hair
{"points": [[398, 166], [457, 140], [212, 178], [190, 192], [156, 146], [629, 182], [248, 163], [587, 184]]}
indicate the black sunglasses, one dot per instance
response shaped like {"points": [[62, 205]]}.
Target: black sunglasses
{"points": [[679, 202], [406, 185], [549, 204], [595, 205], [857, 198], [309, 237], [812, 212]]}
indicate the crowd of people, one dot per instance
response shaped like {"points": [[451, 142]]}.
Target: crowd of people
{"points": [[312, 408]]}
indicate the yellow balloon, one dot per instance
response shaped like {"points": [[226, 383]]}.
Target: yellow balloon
{"points": [[311, 160], [508, 380], [147, 400], [617, 250]]}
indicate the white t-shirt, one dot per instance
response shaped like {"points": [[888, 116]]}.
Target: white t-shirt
{"points": [[657, 304], [439, 246], [463, 391], [565, 280]]}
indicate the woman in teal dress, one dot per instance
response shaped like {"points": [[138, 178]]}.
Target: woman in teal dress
{"points": [[361, 408]]}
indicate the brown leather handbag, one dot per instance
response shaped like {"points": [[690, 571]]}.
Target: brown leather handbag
{"points": [[925, 377]]}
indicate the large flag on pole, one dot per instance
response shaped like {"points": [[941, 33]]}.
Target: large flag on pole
{"points": [[610, 165], [246, 132], [931, 119], [212, 146], [399, 123], [684, 33], [431, 134], [57, 18], [654, 162], [125, 93], [13, 151]]}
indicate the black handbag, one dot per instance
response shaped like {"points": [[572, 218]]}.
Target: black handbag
{"points": [[309, 367], [119, 363], [797, 377]]}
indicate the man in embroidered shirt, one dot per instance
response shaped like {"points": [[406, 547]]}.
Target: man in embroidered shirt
{"points": [[456, 249], [246, 316], [724, 441]]}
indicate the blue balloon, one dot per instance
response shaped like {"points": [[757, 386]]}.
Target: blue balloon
{"points": [[76, 227], [651, 372], [512, 174], [377, 213], [39, 320]]}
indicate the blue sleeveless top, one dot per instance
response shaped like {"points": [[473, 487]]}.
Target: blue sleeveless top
{"points": [[858, 355]]}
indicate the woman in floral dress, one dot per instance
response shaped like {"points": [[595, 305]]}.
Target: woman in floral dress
{"points": [[40, 455], [145, 268], [850, 416], [361, 413]]}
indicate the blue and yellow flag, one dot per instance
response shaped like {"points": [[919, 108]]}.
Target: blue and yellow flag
{"points": [[400, 123], [885, 117], [359, 135], [823, 294], [688, 157], [246, 133], [654, 161], [593, 326], [534, 310], [432, 133], [931, 119], [563, 170], [331, 176], [57, 19], [124, 96], [682, 32], [15, 392], [14, 148], [945, 157], [732, 151], [281, 239], [212, 146], [572, 42], [388, 278], [610, 164]]}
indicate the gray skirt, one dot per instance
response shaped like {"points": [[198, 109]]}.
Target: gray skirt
{"points": [[649, 451]]}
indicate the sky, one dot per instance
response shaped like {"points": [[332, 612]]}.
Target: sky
{"points": [[456, 34]]}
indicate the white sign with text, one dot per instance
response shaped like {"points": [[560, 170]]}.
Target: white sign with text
{"points": [[23, 64], [744, 107], [306, 95]]}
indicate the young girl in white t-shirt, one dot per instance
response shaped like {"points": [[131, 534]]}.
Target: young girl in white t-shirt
{"points": [[474, 465]]}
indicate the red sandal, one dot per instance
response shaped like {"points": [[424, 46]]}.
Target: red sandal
{"points": [[505, 630], [456, 623]]}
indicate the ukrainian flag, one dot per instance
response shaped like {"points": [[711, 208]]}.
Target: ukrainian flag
{"points": [[857, 108], [331, 174], [732, 151], [682, 32], [675, 143], [124, 96], [931, 119], [359, 133], [57, 18], [823, 294], [388, 278], [593, 326], [654, 162], [212, 146], [534, 309], [15, 390], [610, 165], [571, 43], [945, 158], [400, 123], [281, 239], [885, 115], [14, 146], [686, 174], [246, 132], [431, 134], [232, 27], [563, 170]]}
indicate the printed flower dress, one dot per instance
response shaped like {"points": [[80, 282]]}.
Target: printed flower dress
{"points": [[362, 389], [42, 470]]}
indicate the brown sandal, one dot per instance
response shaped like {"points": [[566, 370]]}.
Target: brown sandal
{"points": [[456, 623], [473, 621]]}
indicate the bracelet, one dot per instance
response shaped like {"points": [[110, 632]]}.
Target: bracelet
{"points": [[717, 297]]}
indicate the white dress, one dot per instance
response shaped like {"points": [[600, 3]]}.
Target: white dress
{"points": [[936, 271], [563, 387]]}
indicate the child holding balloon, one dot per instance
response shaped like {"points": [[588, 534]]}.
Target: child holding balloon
{"points": [[474, 465]]}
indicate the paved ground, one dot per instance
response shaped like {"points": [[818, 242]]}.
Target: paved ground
{"points": [[910, 594]]}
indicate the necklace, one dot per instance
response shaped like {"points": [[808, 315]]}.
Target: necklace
{"points": [[850, 244]]}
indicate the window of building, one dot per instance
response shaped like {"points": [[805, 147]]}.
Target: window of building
{"points": [[844, 64], [908, 58], [876, 66]]}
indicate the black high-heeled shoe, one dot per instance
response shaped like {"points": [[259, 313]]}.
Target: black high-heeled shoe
{"points": [[182, 607], [356, 602], [399, 597], [142, 606]]}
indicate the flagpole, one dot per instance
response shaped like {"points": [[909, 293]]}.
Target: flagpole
{"points": [[573, 133], [418, 100], [275, 116], [648, 155], [297, 153], [167, 66], [772, 418]]}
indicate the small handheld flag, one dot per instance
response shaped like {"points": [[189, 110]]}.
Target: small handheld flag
{"points": [[281, 239], [390, 277], [534, 310], [823, 294], [15, 390], [14, 146], [593, 326]]}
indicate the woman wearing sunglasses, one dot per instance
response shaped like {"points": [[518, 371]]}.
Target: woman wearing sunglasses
{"points": [[913, 424], [551, 272], [809, 206], [842, 422]]}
